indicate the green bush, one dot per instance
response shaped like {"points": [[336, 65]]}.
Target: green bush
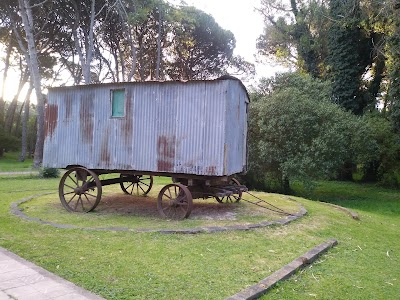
{"points": [[49, 173], [391, 179], [295, 132], [8, 142], [385, 168]]}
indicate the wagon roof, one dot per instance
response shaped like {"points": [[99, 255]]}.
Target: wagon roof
{"points": [[225, 77]]}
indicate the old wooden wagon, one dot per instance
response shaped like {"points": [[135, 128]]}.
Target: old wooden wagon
{"points": [[194, 132]]}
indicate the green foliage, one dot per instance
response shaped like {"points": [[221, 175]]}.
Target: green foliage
{"points": [[386, 167], [297, 133], [393, 66], [8, 142], [49, 173], [295, 33], [348, 56], [201, 49]]}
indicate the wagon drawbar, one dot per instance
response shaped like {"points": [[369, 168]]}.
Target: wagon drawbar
{"points": [[194, 132]]}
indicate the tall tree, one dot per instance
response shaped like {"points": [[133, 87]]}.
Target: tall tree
{"points": [[5, 74], [349, 54], [25, 119], [392, 12], [200, 47], [31, 56], [295, 33], [80, 18], [9, 120]]}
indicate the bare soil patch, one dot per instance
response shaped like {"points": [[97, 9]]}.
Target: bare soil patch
{"points": [[147, 206]]}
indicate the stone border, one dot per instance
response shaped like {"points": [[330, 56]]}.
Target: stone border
{"points": [[257, 290], [14, 209], [353, 214]]}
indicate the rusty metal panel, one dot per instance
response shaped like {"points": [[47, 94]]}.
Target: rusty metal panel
{"points": [[197, 127]]}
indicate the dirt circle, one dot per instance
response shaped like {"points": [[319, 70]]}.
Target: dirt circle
{"points": [[147, 206]]}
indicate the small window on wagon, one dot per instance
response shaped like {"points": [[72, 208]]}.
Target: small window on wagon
{"points": [[118, 103]]}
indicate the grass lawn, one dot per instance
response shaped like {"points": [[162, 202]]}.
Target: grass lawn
{"points": [[128, 265], [9, 163]]}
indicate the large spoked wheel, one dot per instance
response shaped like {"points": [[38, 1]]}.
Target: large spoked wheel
{"points": [[175, 201], [136, 185], [80, 190], [236, 197]]}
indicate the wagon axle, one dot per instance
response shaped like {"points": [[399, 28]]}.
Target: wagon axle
{"points": [[80, 190]]}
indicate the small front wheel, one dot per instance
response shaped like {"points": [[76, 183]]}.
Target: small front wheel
{"points": [[137, 185], [235, 197], [175, 201]]}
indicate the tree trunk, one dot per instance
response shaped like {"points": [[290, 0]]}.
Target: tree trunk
{"points": [[159, 45], [25, 119], [130, 39], [15, 129], [10, 115], [33, 63], [89, 50], [346, 173], [286, 185], [9, 120], [6, 68]]}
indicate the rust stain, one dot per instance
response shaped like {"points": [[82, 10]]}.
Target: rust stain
{"points": [[211, 170], [165, 153], [105, 156], [68, 107], [127, 127], [86, 117], [51, 118]]}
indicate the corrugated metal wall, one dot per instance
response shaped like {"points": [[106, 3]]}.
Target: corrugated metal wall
{"points": [[197, 127]]}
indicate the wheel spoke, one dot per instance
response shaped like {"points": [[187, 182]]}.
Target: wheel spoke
{"points": [[71, 199], [94, 196], [130, 184], [83, 208], [69, 186], [87, 199], [73, 180], [77, 202], [142, 189], [183, 209], [69, 193], [170, 198]]}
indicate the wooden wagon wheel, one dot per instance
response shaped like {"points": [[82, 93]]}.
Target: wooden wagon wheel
{"points": [[175, 201], [80, 190], [140, 186], [232, 198]]}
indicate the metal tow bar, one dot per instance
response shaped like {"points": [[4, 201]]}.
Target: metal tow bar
{"points": [[265, 204]]}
